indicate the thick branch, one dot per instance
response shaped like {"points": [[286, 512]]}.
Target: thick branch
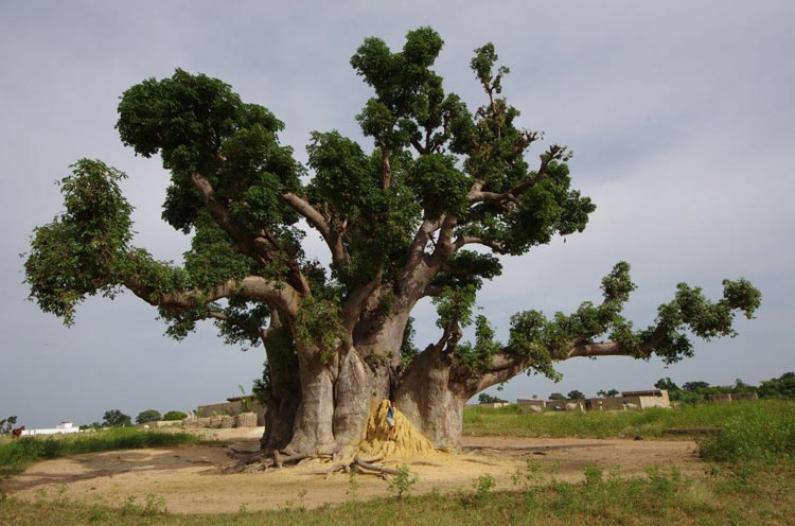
{"points": [[496, 246], [332, 236], [356, 302], [260, 246], [501, 199], [277, 294]]}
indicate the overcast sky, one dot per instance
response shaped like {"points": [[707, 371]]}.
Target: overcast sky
{"points": [[680, 116]]}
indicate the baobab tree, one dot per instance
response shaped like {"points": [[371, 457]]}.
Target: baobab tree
{"points": [[422, 213]]}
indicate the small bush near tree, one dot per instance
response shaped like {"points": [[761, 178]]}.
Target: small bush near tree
{"points": [[402, 481], [175, 415], [150, 415]]}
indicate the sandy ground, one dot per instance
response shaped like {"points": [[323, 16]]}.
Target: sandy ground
{"points": [[189, 478]]}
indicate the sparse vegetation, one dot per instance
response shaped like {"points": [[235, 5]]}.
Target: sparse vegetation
{"points": [[758, 435], [663, 497], [402, 482], [649, 423], [17, 455], [697, 391]]}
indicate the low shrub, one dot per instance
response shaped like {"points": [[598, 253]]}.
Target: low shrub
{"points": [[175, 415], [766, 436]]}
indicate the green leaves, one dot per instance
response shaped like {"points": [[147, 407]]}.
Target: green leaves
{"points": [[440, 186], [477, 358], [483, 65], [199, 125], [454, 306], [80, 253], [319, 326], [545, 341], [398, 77], [344, 176]]}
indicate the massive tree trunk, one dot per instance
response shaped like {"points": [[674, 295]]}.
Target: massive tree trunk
{"points": [[335, 396], [432, 399], [330, 397]]}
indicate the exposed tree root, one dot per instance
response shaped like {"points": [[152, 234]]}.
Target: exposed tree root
{"points": [[262, 461], [360, 466]]}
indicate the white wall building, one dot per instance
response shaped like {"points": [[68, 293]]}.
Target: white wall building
{"points": [[61, 429]]}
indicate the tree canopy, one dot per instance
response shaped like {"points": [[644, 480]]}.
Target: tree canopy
{"points": [[148, 415], [115, 418], [425, 208]]}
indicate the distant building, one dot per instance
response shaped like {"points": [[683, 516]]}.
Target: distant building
{"points": [[61, 429], [494, 405], [627, 400], [732, 397], [233, 407], [646, 399], [536, 406]]}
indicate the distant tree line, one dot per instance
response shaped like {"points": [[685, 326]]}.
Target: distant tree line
{"points": [[699, 391], [486, 398], [7, 424], [115, 418]]}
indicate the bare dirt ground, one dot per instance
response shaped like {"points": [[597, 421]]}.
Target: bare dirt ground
{"points": [[189, 478]]}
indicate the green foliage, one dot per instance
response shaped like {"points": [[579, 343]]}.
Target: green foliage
{"points": [[318, 325], [431, 158], [699, 391], [575, 395], [485, 398], [175, 415], [149, 415], [441, 187], [199, 125], [757, 435], [454, 305], [79, 254], [115, 418], [545, 340], [781, 387], [484, 486], [477, 358], [7, 424], [402, 481], [407, 348], [468, 268]]}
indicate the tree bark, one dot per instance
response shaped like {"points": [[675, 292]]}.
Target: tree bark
{"points": [[432, 399], [282, 394]]}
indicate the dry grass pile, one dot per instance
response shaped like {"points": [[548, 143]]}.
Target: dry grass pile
{"points": [[384, 441]]}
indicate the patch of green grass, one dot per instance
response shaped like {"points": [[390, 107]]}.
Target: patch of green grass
{"points": [[758, 435], [663, 497], [649, 423], [16, 455]]}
